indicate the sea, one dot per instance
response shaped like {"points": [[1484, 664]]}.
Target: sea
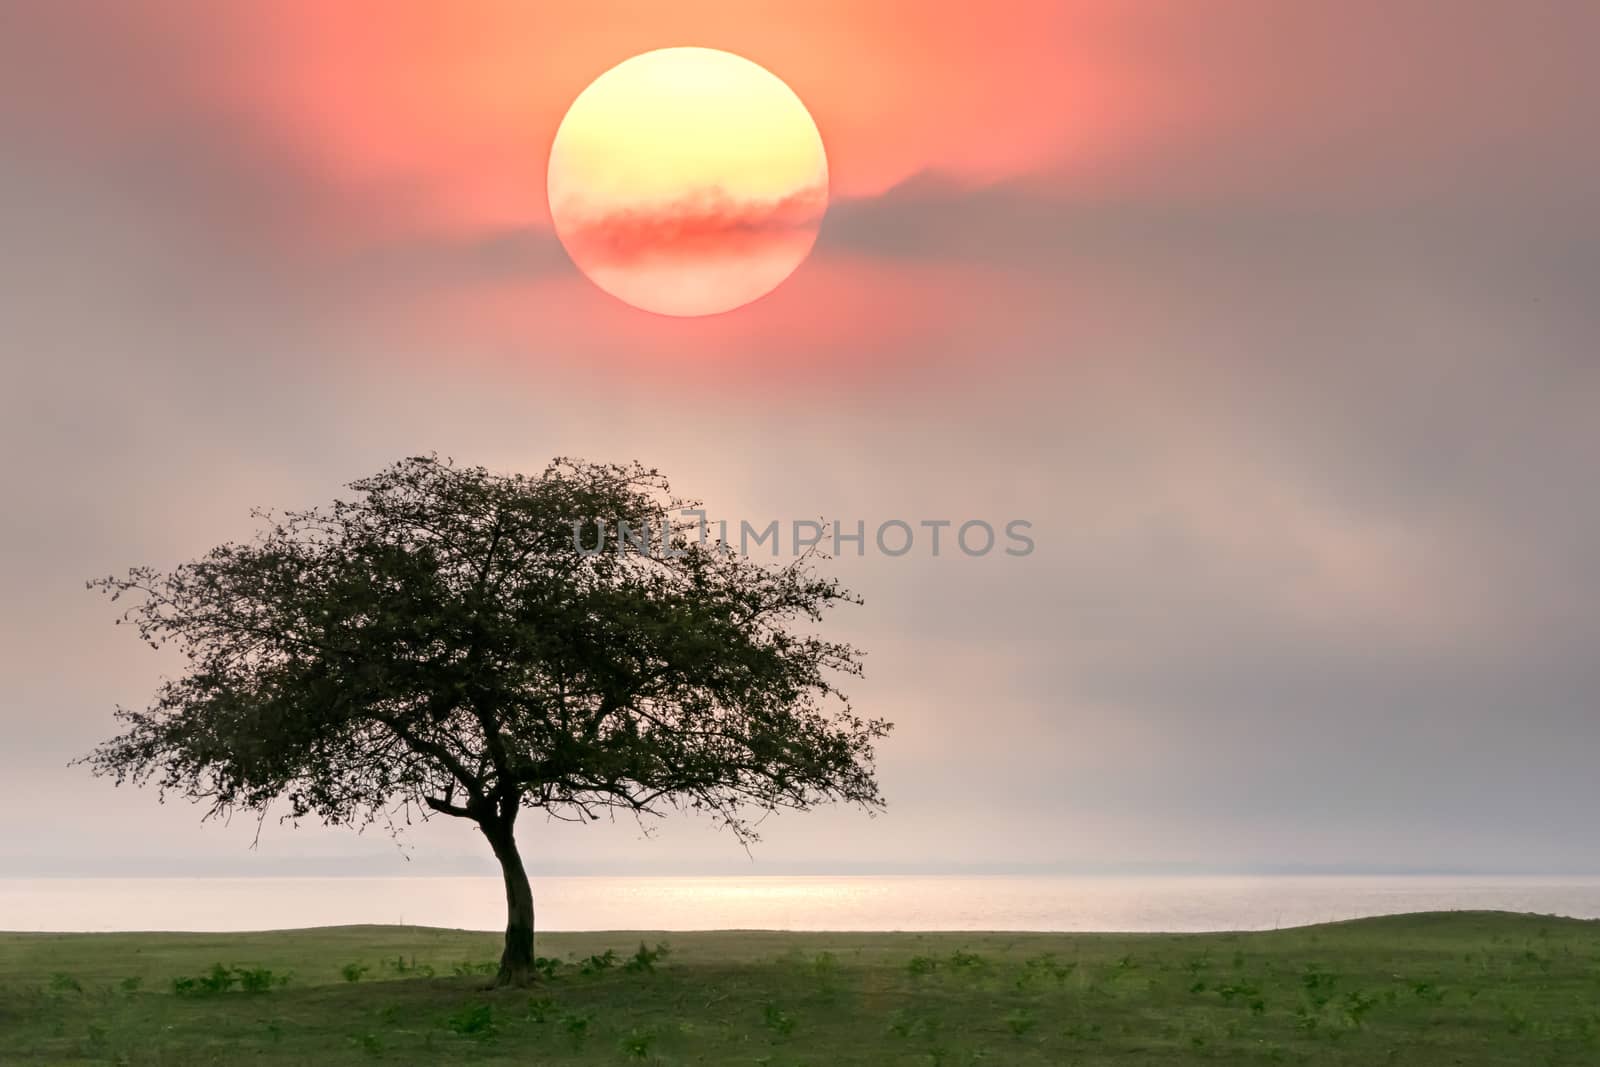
{"points": [[817, 902]]}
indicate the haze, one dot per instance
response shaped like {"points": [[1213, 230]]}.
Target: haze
{"points": [[1276, 321]]}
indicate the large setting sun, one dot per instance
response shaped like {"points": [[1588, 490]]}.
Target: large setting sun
{"points": [[687, 181]]}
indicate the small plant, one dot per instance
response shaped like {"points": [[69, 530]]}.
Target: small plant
{"points": [[369, 1043], [922, 965], [353, 972], [1237, 989], [1357, 1004], [547, 966], [777, 1020], [61, 982], [907, 1024], [966, 960], [219, 979], [466, 968], [1047, 966], [576, 1025], [645, 959], [596, 964], [258, 979], [1319, 985], [540, 1009], [1082, 1031], [1020, 1021], [637, 1044], [473, 1020], [130, 985]]}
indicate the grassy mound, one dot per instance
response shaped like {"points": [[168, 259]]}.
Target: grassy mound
{"points": [[1439, 988]]}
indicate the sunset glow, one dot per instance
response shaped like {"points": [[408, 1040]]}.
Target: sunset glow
{"points": [[687, 181]]}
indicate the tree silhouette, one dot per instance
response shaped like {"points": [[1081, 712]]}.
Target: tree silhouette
{"points": [[446, 643]]}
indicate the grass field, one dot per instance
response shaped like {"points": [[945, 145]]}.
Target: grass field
{"points": [[1457, 988]]}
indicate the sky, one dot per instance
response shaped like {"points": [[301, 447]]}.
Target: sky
{"points": [[1276, 321]]}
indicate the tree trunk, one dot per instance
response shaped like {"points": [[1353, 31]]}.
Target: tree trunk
{"points": [[516, 962]]}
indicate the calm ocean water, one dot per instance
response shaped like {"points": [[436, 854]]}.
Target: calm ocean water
{"points": [[801, 903]]}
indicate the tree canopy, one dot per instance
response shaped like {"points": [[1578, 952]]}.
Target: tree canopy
{"points": [[453, 641]]}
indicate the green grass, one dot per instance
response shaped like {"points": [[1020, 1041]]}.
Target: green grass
{"points": [[1457, 988]]}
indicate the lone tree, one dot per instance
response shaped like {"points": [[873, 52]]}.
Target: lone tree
{"points": [[447, 643]]}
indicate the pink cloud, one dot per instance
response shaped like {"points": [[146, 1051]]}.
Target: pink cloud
{"points": [[707, 223]]}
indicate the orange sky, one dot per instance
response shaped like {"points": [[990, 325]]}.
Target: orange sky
{"points": [[385, 150], [457, 104], [418, 116]]}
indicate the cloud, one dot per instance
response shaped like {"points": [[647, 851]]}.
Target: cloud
{"points": [[704, 224]]}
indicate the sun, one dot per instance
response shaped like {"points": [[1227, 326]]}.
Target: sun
{"points": [[687, 181]]}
